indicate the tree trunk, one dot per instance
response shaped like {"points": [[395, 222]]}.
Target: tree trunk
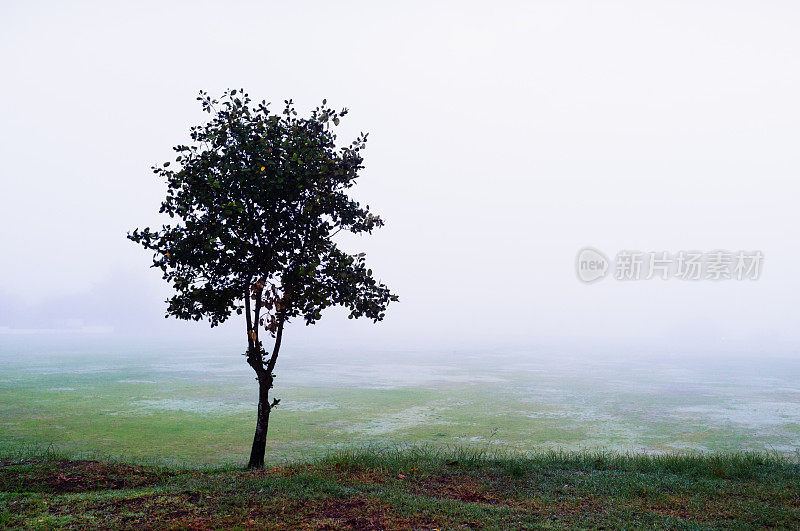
{"points": [[262, 424], [264, 376]]}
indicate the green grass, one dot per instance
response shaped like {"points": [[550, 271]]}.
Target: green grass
{"points": [[400, 443], [178, 412], [410, 487]]}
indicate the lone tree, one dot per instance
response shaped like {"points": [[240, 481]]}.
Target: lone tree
{"points": [[258, 197]]}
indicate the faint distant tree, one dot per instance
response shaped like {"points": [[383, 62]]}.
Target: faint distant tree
{"points": [[258, 197]]}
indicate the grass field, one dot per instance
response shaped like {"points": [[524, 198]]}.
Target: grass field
{"points": [[414, 488], [110, 437], [181, 406]]}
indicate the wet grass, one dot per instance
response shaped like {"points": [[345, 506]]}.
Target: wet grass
{"points": [[116, 442], [139, 414], [412, 487]]}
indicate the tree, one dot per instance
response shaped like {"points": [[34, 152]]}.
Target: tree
{"points": [[258, 198]]}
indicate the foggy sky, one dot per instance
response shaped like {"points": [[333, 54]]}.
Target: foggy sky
{"points": [[504, 137]]}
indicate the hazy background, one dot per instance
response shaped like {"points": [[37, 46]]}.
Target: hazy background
{"points": [[503, 138]]}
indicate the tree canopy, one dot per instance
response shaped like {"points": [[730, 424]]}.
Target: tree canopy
{"points": [[259, 197]]}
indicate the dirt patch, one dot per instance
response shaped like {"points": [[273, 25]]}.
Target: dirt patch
{"points": [[162, 511], [462, 488], [63, 476], [354, 513]]}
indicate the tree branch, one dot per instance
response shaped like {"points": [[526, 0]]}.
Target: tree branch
{"points": [[276, 348]]}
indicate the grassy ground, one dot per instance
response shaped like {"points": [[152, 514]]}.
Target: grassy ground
{"points": [[412, 488], [198, 408]]}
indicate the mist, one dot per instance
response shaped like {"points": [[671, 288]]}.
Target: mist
{"points": [[502, 141]]}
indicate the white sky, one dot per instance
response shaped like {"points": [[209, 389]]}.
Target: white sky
{"points": [[503, 138]]}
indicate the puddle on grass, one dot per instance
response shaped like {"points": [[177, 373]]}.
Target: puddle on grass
{"points": [[306, 407], [750, 415], [205, 407], [403, 420], [222, 408]]}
